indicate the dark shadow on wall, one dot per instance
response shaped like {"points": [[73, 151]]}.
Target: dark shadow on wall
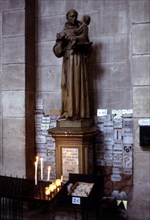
{"points": [[30, 87], [95, 72]]}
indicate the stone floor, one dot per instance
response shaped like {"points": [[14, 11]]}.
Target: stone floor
{"points": [[53, 213], [41, 211], [45, 211]]}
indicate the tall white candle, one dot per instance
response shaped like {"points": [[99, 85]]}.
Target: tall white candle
{"points": [[41, 168], [37, 159], [35, 163], [61, 178], [48, 173]]}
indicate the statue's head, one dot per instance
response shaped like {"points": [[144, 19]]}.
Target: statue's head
{"points": [[72, 16], [86, 19]]}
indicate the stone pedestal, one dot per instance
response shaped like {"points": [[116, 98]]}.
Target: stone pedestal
{"points": [[74, 146]]}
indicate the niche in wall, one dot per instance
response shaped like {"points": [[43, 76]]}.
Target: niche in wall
{"points": [[144, 132]]}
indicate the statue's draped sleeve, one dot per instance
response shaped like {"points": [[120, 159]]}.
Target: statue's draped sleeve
{"points": [[58, 49]]}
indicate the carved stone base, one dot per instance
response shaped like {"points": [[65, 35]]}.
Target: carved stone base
{"points": [[81, 123]]}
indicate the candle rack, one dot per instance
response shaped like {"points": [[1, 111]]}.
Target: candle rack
{"points": [[65, 198], [24, 188], [14, 191]]}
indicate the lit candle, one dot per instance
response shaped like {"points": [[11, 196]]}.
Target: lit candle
{"points": [[54, 185], [51, 187], [35, 172], [48, 173], [37, 159], [61, 178], [58, 182], [47, 191], [41, 168]]}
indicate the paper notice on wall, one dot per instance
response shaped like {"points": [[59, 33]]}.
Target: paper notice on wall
{"points": [[104, 118], [108, 132], [117, 170], [100, 126], [101, 112], [53, 124], [118, 134], [127, 161], [46, 119], [128, 123], [117, 163], [100, 162], [40, 139], [108, 148], [117, 159], [39, 104], [117, 156], [128, 140], [108, 124], [108, 163], [117, 122], [118, 148], [44, 126], [127, 171], [117, 112], [108, 141], [117, 141], [38, 118], [108, 156], [127, 112], [41, 148], [144, 122], [127, 132], [116, 177], [127, 150]]}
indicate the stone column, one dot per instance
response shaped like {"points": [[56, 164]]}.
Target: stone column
{"points": [[18, 88]]}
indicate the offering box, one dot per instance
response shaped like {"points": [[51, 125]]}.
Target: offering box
{"points": [[81, 190]]}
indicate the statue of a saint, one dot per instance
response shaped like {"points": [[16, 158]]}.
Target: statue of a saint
{"points": [[74, 46]]}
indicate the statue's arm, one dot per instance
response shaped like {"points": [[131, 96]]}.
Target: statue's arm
{"points": [[83, 36], [59, 47]]}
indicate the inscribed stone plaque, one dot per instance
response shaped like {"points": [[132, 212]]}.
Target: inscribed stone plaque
{"points": [[70, 161]]}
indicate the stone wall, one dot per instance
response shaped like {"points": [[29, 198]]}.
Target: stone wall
{"points": [[17, 87]]}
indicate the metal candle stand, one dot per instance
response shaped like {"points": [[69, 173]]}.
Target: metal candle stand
{"points": [[15, 191]]}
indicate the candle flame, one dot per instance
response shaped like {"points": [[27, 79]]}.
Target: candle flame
{"points": [[49, 168]]}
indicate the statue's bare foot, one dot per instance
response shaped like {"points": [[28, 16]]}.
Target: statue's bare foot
{"points": [[64, 115]]}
